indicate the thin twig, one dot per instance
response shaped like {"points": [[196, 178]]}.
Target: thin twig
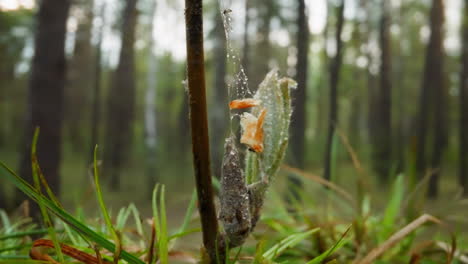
{"points": [[397, 237], [323, 182]]}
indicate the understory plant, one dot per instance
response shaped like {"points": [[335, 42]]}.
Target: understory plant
{"points": [[265, 134]]}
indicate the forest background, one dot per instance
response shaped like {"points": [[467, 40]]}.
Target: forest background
{"points": [[387, 79]]}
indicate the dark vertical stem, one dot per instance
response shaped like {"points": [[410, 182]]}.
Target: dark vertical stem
{"points": [[199, 123], [463, 148], [334, 79]]}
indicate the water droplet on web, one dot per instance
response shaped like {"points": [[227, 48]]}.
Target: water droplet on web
{"points": [[237, 82]]}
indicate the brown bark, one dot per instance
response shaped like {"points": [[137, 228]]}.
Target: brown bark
{"points": [[46, 89], [334, 75], [463, 126], [433, 103], [121, 101], [199, 126], [383, 143]]}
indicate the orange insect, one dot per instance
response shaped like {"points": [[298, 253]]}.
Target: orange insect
{"points": [[244, 103], [252, 130]]}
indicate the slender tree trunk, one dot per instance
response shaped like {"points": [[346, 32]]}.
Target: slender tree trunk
{"points": [[121, 104], [334, 76], [400, 138], [299, 95], [440, 99], [298, 124], [433, 104], [263, 47], [150, 109], [46, 90], [97, 87], [463, 173], [199, 127], [383, 144], [219, 115], [80, 77]]}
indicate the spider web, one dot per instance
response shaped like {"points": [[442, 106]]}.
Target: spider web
{"points": [[237, 79]]}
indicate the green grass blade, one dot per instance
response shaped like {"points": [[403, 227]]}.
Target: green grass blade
{"points": [[182, 231], [154, 203], [393, 209], [25, 233], [63, 215], [163, 241], [136, 217], [122, 217], [259, 250], [339, 244], [36, 170], [288, 242], [23, 261], [104, 211], [5, 220], [157, 226]]}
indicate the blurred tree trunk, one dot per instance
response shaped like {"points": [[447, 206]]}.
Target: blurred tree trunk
{"points": [[299, 95], [6, 76], [150, 109], [463, 173], [220, 116], [246, 48], [357, 114], [400, 137], [433, 102], [383, 143], [3, 200], [334, 75], [183, 125], [121, 101], [80, 76], [97, 87], [45, 96], [258, 71]]}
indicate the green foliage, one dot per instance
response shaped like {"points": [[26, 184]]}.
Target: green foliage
{"points": [[393, 209], [339, 244], [104, 212], [36, 171], [286, 243], [160, 223], [275, 96]]}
